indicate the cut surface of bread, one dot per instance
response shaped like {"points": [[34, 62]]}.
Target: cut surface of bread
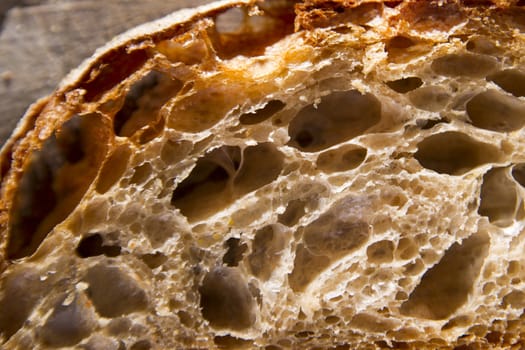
{"points": [[276, 174]]}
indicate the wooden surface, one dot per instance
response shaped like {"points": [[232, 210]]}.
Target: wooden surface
{"points": [[42, 40]]}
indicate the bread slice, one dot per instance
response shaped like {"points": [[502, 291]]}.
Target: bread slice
{"points": [[272, 174]]}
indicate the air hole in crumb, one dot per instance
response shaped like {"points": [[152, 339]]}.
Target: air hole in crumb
{"points": [[262, 114], [55, 181], [22, 289], [315, 128], [514, 299], [405, 85], [510, 80], [414, 268], [427, 124], [226, 300], [285, 342], [143, 103], [294, 211], [454, 153], [113, 168], [235, 251], [380, 252], [344, 158], [142, 344], [491, 110], [113, 292], [141, 174], [204, 107], [223, 175], [304, 334], [399, 42], [119, 326], [429, 98], [446, 286], [93, 245], [481, 45], [458, 321], [230, 342], [185, 318], [333, 233], [393, 3], [267, 244], [202, 144], [100, 342], [513, 268], [174, 151], [401, 296], [332, 319], [336, 233], [406, 249], [498, 198], [494, 337], [209, 182], [466, 64], [518, 173], [402, 48], [68, 324], [261, 165], [304, 138], [137, 90], [154, 260], [373, 323]]}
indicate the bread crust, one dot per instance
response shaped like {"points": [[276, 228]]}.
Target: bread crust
{"points": [[102, 82], [29, 134]]}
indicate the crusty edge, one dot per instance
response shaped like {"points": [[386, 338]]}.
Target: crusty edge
{"points": [[184, 16], [178, 18], [164, 25], [178, 21]]}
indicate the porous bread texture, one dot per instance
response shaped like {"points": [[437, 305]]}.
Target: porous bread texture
{"points": [[343, 174]]}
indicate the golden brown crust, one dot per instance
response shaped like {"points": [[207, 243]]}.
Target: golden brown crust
{"points": [[196, 53]]}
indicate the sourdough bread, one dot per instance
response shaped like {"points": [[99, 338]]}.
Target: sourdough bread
{"points": [[276, 174]]}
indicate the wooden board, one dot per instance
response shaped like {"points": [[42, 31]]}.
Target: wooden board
{"points": [[42, 40]]}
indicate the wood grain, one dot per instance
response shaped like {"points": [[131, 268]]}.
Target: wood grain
{"points": [[42, 40]]}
